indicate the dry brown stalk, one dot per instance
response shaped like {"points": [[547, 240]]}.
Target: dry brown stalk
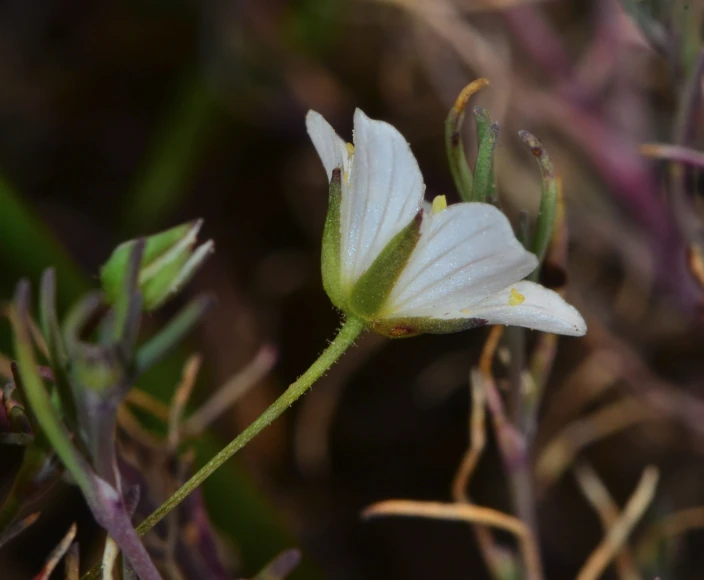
{"points": [[180, 399], [477, 441], [460, 483], [146, 402], [618, 533], [110, 554], [670, 526], [131, 425], [17, 527], [559, 454], [228, 394], [683, 521], [56, 554], [467, 513], [599, 497], [73, 563]]}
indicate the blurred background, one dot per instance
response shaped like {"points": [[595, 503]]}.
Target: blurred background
{"points": [[122, 118]]}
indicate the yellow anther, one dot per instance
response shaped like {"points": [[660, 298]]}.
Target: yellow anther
{"points": [[439, 203], [350, 155], [516, 298]]}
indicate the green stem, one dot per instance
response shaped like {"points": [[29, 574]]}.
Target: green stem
{"points": [[349, 332]]}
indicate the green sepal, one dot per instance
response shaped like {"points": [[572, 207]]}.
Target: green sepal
{"points": [[330, 261], [484, 184], [374, 286], [408, 327], [548, 200], [482, 119]]}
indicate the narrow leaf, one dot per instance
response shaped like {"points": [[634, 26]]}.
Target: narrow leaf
{"points": [[55, 342], [37, 396], [174, 332], [548, 199]]}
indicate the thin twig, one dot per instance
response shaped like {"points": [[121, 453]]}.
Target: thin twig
{"points": [[180, 399], [110, 554], [146, 402], [676, 153], [16, 528], [559, 454], [73, 563], [460, 483], [231, 391], [477, 441], [670, 526], [466, 513], [56, 554], [619, 532], [131, 425], [682, 521], [589, 379], [599, 497]]}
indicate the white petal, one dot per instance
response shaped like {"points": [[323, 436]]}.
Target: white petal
{"points": [[540, 309], [466, 252], [385, 193], [331, 149]]}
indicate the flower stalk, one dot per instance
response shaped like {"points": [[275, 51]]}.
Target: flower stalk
{"points": [[349, 332]]}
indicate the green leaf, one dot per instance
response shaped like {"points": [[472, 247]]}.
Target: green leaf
{"points": [[374, 286], [38, 397], [55, 343], [330, 258], [171, 335]]}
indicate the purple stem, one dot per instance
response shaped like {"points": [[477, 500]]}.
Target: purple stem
{"points": [[110, 513]]}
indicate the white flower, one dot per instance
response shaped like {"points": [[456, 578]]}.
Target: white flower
{"points": [[407, 268]]}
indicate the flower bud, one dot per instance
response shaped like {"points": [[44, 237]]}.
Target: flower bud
{"points": [[170, 259]]}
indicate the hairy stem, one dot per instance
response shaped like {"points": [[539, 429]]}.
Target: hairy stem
{"points": [[349, 332]]}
